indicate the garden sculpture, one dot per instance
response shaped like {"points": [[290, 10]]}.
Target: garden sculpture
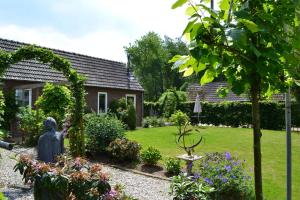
{"points": [[51, 143], [189, 158], [188, 149]]}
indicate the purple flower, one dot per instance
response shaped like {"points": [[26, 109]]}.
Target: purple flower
{"points": [[236, 163], [228, 168], [225, 180], [207, 180], [190, 165], [227, 155], [196, 176], [233, 177]]}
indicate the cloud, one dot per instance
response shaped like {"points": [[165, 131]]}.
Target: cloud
{"points": [[101, 43]]}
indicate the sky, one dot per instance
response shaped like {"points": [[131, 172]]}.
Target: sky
{"points": [[99, 28]]}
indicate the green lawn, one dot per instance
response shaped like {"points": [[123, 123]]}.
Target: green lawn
{"points": [[239, 142]]}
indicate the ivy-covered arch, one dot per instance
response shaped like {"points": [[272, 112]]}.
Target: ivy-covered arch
{"points": [[58, 63]]}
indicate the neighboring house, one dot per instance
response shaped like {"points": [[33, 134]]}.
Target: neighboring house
{"points": [[106, 80], [208, 92]]}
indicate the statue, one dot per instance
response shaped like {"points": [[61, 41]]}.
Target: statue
{"points": [[51, 143]]}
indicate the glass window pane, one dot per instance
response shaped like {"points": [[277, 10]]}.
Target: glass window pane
{"points": [[23, 97], [102, 102]]}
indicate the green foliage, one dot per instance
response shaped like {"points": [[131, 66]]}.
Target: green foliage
{"points": [[185, 187], [54, 101], [56, 62], [101, 131], [2, 108], [179, 119], [170, 100], [31, 123], [131, 119], [173, 166], [10, 109], [151, 156], [239, 113], [149, 57], [122, 149], [2, 197], [227, 175], [71, 179], [4, 134], [153, 121]]}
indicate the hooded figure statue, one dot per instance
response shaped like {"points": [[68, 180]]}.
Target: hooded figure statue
{"points": [[51, 143]]}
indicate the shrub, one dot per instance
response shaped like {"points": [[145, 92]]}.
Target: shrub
{"points": [[227, 175], [179, 119], [124, 150], [153, 122], [151, 156], [31, 122], [10, 109], [2, 107], [173, 166], [70, 179], [54, 101], [131, 119], [170, 100], [2, 197], [185, 187], [4, 134], [101, 130]]}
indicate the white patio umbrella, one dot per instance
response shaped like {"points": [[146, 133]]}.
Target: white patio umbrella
{"points": [[197, 106]]}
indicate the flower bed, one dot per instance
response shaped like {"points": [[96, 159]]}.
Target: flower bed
{"points": [[68, 179]]}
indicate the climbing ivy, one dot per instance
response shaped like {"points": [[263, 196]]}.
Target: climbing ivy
{"points": [[58, 63]]}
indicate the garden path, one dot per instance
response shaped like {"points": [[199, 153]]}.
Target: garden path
{"points": [[137, 185]]}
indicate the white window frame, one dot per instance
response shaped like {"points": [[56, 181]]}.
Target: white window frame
{"points": [[131, 95], [30, 95], [105, 93]]}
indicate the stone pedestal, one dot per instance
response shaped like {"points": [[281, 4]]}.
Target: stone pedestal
{"points": [[189, 161]]}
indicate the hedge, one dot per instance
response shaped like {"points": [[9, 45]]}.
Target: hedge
{"points": [[234, 113]]}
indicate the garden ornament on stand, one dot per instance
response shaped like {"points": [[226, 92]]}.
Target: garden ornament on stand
{"points": [[51, 143], [188, 157]]}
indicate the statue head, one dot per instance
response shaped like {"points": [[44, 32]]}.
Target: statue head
{"points": [[50, 124]]}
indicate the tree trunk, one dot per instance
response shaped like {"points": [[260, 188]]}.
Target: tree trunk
{"points": [[255, 93]]}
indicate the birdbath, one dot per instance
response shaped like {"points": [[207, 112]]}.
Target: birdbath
{"points": [[189, 159]]}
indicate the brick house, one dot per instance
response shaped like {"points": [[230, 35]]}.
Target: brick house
{"points": [[106, 80]]}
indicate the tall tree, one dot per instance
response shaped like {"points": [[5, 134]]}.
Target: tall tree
{"points": [[149, 58], [250, 43]]}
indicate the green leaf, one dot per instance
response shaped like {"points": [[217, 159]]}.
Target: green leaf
{"points": [[255, 50], [188, 72], [224, 4], [178, 3], [191, 10], [250, 25], [200, 67], [208, 76], [174, 59], [297, 82], [210, 11], [189, 27]]}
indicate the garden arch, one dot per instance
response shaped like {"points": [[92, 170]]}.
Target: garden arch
{"points": [[58, 63]]}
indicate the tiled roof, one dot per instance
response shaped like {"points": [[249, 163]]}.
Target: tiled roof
{"points": [[99, 72], [208, 92]]}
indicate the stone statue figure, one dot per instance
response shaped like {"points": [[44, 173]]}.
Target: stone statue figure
{"points": [[51, 143]]}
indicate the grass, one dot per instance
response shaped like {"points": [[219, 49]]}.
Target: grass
{"points": [[239, 142]]}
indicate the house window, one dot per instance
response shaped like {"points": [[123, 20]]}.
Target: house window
{"points": [[102, 102], [131, 99], [24, 97]]}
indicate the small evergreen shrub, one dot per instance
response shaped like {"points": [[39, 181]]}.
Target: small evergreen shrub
{"points": [[170, 100], [31, 123], [101, 130], [124, 150], [151, 156], [131, 119], [153, 122], [2, 107], [173, 166], [10, 109]]}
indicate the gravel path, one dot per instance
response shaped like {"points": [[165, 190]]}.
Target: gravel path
{"points": [[139, 186]]}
